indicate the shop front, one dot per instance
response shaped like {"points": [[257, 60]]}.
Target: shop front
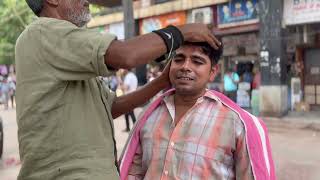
{"points": [[302, 19], [150, 24], [238, 27]]}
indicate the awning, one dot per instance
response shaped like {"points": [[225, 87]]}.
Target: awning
{"points": [[106, 3], [154, 10], [236, 30]]}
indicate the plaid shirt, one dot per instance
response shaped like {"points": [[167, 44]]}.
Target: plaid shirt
{"points": [[207, 143]]}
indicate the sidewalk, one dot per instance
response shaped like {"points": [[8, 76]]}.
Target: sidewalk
{"points": [[308, 120], [295, 140]]}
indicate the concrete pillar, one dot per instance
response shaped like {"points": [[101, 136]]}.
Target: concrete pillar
{"points": [[130, 28], [128, 19], [274, 89]]}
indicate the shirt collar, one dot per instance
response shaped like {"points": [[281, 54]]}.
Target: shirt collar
{"points": [[169, 101]]}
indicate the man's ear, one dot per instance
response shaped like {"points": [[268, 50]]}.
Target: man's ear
{"points": [[53, 2], [214, 71]]}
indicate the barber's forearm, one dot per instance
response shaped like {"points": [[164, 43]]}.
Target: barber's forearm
{"points": [[136, 51], [128, 102]]}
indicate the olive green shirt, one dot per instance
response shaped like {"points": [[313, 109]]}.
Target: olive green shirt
{"points": [[65, 127]]}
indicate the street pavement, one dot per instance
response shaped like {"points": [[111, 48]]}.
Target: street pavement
{"points": [[295, 141]]}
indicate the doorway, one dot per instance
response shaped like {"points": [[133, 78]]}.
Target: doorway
{"points": [[312, 77]]}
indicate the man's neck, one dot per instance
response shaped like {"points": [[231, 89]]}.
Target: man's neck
{"points": [[183, 103], [50, 13], [183, 100], [187, 98]]}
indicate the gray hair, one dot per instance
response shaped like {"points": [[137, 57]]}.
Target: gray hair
{"points": [[35, 6]]}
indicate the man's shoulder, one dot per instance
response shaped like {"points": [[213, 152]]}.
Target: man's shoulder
{"points": [[229, 113]]}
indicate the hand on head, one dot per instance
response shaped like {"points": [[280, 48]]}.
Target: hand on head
{"points": [[199, 33]]}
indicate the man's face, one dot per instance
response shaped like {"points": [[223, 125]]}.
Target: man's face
{"points": [[191, 70], [76, 11]]}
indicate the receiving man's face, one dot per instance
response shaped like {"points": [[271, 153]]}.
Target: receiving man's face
{"points": [[76, 11], [191, 70]]}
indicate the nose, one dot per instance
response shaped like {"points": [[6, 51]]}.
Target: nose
{"points": [[186, 65]]}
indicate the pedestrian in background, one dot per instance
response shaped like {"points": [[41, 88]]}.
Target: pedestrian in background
{"points": [[230, 82], [64, 112], [129, 84], [5, 92], [12, 88]]}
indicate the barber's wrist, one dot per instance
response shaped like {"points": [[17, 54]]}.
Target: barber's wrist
{"points": [[173, 39]]}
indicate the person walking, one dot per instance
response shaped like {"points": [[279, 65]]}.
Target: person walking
{"points": [[130, 84]]}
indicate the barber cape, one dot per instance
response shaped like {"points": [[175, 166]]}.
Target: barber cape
{"points": [[256, 136]]}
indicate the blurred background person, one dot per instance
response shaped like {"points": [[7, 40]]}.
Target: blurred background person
{"points": [[230, 82], [12, 88], [130, 84], [5, 89]]}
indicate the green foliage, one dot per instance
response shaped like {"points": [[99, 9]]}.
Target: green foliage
{"points": [[15, 15], [95, 9]]}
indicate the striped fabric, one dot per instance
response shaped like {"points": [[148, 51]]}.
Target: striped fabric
{"points": [[212, 141], [207, 143]]}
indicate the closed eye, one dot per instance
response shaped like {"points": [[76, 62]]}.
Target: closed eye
{"points": [[177, 60], [198, 62]]}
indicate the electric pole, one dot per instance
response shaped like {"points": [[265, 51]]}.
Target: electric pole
{"points": [[128, 18], [129, 29]]}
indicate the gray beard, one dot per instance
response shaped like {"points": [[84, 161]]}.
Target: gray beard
{"points": [[79, 20]]}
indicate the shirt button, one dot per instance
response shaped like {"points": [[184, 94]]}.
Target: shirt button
{"points": [[166, 172], [172, 144]]}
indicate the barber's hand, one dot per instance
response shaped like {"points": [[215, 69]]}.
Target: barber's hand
{"points": [[164, 77], [197, 32]]}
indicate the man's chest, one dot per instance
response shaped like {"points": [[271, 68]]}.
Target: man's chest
{"points": [[201, 127]]}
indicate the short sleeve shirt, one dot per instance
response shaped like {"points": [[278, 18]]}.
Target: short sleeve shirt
{"points": [[131, 81], [65, 127], [229, 85]]}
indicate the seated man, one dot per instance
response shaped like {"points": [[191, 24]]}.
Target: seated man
{"points": [[191, 132]]}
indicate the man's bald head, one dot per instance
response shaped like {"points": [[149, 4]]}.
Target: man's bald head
{"points": [[74, 11]]}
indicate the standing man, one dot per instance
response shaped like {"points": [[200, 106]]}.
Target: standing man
{"points": [[230, 83], [64, 113], [130, 84], [5, 91], [194, 133]]}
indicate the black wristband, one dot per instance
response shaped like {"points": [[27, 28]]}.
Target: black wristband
{"points": [[172, 38]]}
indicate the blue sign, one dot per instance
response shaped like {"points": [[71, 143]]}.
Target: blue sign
{"points": [[237, 12]]}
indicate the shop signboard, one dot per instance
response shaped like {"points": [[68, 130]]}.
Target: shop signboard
{"points": [[201, 15], [301, 11], [233, 45], [237, 13], [150, 24]]}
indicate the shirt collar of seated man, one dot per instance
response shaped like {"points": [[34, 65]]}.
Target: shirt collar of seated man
{"points": [[193, 66]]}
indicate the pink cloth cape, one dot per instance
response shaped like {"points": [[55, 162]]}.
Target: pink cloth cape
{"points": [[256, 136]]}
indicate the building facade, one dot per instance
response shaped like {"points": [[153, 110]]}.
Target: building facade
{"points": [[278, 38]]}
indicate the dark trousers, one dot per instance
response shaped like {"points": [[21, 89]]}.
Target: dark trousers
{"points": [[126, 116], [232, 95]]}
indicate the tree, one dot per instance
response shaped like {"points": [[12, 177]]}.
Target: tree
{"points": [[15, 15]]}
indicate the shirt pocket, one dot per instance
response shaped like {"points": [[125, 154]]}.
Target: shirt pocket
{"points": [[209, 154]]}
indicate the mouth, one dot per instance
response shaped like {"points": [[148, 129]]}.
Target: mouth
{"points": [[185, 78]]}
